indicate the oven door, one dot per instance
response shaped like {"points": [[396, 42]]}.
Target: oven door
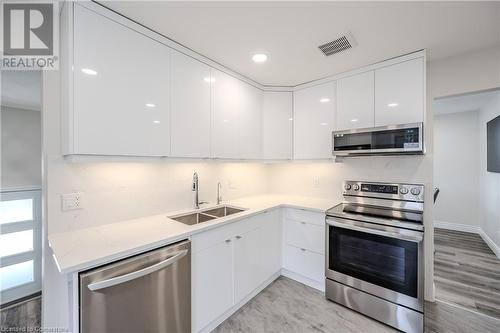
{"points": [[383, 261]]}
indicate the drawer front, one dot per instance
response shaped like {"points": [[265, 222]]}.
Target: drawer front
{"points": [[211, 237], [305, 263], [305, 216], [305, 235]]}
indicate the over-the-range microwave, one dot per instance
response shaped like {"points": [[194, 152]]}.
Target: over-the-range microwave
{"points": [[384, 140]]}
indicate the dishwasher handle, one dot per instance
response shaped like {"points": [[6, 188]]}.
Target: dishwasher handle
{"points": [[137, 274]]}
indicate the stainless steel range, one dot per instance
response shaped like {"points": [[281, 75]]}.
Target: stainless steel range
{"points": [[374, 261]]}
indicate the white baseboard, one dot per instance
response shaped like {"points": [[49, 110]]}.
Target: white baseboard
{"points": [[304, 280], [470, 228], [494, 247], [457, 226]]}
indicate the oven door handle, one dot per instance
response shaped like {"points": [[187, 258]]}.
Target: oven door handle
{"points": [[416, 237]]}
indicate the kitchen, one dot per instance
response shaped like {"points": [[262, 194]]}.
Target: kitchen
{"points": [[209, 185]]}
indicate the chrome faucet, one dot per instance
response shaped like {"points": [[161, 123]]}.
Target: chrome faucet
{"points": [[195, 187], [219, 197]]}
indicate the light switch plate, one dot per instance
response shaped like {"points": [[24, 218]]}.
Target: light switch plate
{"points": [[72, 201]]}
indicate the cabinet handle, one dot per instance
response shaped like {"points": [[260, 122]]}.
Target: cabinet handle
{"points": [[303, 250], [228, 241], [238, 237], [302, 222]]}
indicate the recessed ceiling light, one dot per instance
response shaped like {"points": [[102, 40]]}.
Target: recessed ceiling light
{"points": [[150, 105], [259, 57], [392, 105], [209, 79], [323, 124], [89, 71], [156, 121], [225, 121], [324, 100], [290, 119], [354, 120]]}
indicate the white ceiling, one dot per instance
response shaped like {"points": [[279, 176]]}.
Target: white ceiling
{"points": [[463, 103], [289, 32], [21, 89]]}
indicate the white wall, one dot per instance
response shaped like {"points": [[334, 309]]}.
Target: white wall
{"points": [[456, 169], [21, 148], [489, 182]]}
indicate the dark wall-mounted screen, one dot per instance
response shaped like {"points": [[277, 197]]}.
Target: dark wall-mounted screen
{"points": [[493, 129]]}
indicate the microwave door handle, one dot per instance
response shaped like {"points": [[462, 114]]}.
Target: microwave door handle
{"points": [[137, 274], [411, 238]]}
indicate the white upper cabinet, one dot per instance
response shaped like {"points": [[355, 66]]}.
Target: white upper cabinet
{"points": [[399, 93], [313, 121], [277, 125], [225, 110], [190, 107], [236, 118], [250, 122], [121, 102], [355, 101]]}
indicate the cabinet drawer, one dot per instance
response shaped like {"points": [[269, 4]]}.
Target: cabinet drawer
{"points": [[212, 237], [302, 215], [209, 238], [305, 235], [305, 263]]}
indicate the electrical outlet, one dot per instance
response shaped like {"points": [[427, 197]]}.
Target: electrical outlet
{"points": [[72, 201]]}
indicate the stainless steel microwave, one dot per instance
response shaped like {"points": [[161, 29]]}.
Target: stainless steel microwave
{"points": [[384, 140]]}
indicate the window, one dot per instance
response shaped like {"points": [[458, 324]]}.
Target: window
{"points": [[20, 244]]}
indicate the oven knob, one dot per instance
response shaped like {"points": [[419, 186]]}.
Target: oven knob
{"points": [[347, 187], [415, 191], [403, 190], [355, 187]]}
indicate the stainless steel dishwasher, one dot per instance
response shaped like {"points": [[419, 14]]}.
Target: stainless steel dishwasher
{"points": [[150, 292]]}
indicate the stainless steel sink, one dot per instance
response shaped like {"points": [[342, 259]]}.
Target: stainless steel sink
{"points": [[193, 218], [206, 215], [223, 211]]}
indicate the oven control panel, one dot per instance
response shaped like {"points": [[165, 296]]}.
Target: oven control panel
{"points": [[408, 192]]}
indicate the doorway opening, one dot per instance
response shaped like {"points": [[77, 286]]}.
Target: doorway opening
{"points": [[467, 212], [20, 200]]}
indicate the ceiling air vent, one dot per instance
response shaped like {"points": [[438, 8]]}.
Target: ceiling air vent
{"points": [[342, 43]]}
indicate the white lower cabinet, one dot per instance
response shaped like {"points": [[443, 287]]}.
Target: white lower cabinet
{"points": [[230, 262], [304, 262], [248, 272], [304, 245], [212, 281]]}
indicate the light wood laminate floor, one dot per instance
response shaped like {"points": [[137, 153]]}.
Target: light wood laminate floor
{"points": [[22, 317], [287, 306], [467, 285], [466, 272]]}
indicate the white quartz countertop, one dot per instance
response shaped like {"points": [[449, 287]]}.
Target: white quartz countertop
{"points": [[86, 248]]}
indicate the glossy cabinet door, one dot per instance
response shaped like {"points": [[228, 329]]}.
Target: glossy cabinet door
{"points": [[399, 93], [248, 271], [277, 125], [250, 122], [355, 101], [212, 283], [271, 243], [225, 112], [121, 78], [313, 121], [190, 107]]}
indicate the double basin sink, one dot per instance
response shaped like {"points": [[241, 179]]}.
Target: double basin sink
{"points": [[206, 215]]}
